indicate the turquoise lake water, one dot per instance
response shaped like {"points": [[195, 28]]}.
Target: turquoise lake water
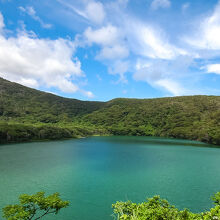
{"points": [[92, 173]]}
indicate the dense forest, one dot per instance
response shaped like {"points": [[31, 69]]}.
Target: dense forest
{"points": [[29, 114]]}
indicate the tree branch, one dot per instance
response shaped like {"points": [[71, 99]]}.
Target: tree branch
{"points": [[47, 212]]}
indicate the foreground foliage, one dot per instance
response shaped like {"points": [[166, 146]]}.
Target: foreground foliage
{"points": [[34, 207], [28, 114], [159, 209]]}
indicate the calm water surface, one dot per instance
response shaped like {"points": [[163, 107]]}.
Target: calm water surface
{"points": [[93, 173]]}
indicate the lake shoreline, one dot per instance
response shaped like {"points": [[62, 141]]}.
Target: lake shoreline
{"points": [[106, 135]]}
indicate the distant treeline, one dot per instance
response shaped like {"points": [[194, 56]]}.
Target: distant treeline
{"points": [[29, 114]]}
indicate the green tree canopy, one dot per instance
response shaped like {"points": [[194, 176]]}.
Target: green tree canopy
{"points": [[33, 207], [159, 209]]}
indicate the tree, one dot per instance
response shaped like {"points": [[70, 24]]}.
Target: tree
{"points": [[159, 209], [33, 207]]}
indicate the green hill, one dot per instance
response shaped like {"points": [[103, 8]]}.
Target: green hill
{"points": [[27, 114], [20, 102], [190, 117]]}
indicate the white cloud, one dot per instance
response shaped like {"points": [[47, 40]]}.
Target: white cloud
{"points": [[73, 8], [47, 61], [213, 68], [113, 52], [87, 94], [110, 40], [39, 62], [106, 35], [160, 4], [92, 11], [137, 37], [207, 35], [112, 48], [28, 82], [123, 33], [158, 77], [31, 12], [95, 12], [150, 42], [166, 75], [129, 36], [149, 72], [119, 67], [155, 46], [173, 87]]}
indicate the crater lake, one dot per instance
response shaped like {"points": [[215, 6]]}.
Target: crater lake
{"points": [[95, 172]]}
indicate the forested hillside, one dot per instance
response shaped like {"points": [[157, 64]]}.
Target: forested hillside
{"points": [[23, 103], [192, 117], [27, 114]]}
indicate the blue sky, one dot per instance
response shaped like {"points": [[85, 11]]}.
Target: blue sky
{"points": [[100, 50]]}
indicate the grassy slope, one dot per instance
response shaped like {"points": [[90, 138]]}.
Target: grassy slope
{"points": [[30, 114]]}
